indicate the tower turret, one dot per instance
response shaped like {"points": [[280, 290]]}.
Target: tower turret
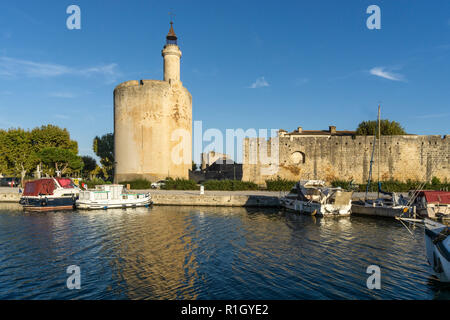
{"points": [[172, 55]]}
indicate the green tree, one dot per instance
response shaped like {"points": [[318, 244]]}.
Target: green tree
{"points": [[63, 160], [387, 128], [19, 154], [194, 166], [3, 161], [52, 136], [90, 164], [104, 148]]}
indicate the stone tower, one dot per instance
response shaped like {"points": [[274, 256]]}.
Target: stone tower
{"points": [[153, 123]]}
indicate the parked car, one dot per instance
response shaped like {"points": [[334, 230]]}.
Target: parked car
{"points": [[9, 182], [159, 184]]}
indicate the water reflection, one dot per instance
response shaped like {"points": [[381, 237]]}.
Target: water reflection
{"points": [[209, 253]]}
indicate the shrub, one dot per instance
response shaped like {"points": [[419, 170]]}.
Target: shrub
{"points": [[229, 185], [180, 184], [394, 185], [279, 184], [96, 181], [138, 184]]}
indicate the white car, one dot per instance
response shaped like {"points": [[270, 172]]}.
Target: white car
{"points": [[159, 184]]}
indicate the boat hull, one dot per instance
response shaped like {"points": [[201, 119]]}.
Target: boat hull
{"points": [[42, 204], [390, 212], [112, 205], [437, 249], [312, 208]]}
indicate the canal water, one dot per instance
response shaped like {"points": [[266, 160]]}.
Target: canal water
{"points": [[209, 253]]}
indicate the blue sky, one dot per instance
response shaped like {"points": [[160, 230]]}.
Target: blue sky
{"points": [[247, 64]]}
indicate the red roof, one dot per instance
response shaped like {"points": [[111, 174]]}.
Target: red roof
{"points": [[442, 197], [37, 187]]}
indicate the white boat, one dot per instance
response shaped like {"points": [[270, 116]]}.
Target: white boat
{"points": [[437, 242], [111, 196], [313, 197]]}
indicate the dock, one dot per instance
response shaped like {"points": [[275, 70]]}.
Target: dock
{"points": [[264, 199]]}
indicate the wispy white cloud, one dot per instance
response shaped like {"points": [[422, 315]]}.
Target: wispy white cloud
{"points": [[383, 73], [259, 83], [12, 67]]}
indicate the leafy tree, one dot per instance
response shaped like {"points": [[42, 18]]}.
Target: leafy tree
{"points": [[19, 153], [61, 159], [90, 164], [3, 161], [104, 148], [52, 136], [387, 128], [194, 166]]}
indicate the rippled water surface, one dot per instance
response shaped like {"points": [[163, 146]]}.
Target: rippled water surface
{"points": [[209, 253]]}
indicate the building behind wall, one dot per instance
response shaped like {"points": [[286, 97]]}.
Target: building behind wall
{"points": [[342, 155], [216, 166]]}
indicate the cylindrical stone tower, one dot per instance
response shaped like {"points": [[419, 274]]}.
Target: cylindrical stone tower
{"points": [[153, 124], [172, 55]]}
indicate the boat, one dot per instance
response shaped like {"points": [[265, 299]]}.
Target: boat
{"points": [[433, 204], [437, 242], [313, 197], [387, 204], [49, 194], [110, 196]]}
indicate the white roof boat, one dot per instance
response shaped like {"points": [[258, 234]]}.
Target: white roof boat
{"points": [[110, 196], [313, 197], [437, 242]]}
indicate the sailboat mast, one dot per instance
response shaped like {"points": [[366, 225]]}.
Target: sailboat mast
{"points": [[379, 148], [369, 180]]}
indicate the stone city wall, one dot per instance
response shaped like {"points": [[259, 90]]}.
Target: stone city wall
{"points": [[346, 157]]}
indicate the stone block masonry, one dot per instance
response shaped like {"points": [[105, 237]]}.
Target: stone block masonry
{"points": [[346, 157]]}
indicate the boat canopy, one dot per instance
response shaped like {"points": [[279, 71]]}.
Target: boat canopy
{"points": [[66, 183], [440, 197], [39, 187]]}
